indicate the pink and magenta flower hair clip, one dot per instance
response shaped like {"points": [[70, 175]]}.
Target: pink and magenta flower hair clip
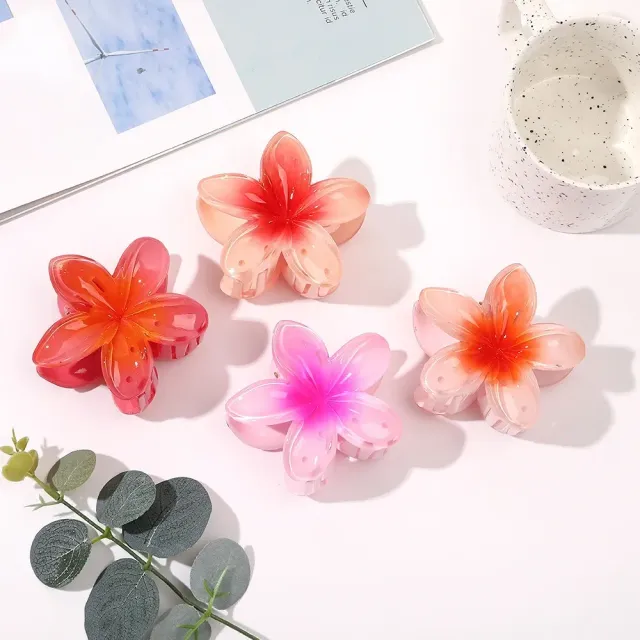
{"points": [[114, 327], [491, 352], [281, 224], [317, 405]]}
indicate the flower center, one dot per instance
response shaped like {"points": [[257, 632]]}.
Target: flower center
{"points": [[501, 357]]}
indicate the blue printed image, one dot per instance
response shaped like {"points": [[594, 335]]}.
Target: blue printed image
{"points": [[5, 12], [138, 55]]}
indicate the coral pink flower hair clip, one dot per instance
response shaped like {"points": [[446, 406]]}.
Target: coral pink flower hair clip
{"points": [[115, 326], [281, 224], [491, 352], [317, 405]]}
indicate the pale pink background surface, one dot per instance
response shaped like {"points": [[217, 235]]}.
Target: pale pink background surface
{"points": [[459, 533]]}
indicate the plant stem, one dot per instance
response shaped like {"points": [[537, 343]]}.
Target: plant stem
{"points": [[107, 534], [102, 536], [125, 547], [207, 614]]}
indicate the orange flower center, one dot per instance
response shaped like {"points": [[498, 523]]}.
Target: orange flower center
{"points": [[502, 358]]}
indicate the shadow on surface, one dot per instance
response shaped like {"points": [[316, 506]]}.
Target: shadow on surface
{"points": [[427, 442], [630, 225], [374, 274], [576, 412], [195, 385]]}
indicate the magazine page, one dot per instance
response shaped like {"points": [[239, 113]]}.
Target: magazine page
{"points": [[92, 86]]}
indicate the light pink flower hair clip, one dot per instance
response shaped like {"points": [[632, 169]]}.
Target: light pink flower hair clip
{"points": [[281, 224], [317, 405], [491, 352]]}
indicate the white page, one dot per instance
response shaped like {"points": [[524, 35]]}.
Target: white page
{"points": [[92, 87], [48, 97]]}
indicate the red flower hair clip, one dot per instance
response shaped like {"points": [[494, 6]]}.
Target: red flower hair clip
{"points": [[115, 326], [281, 224]]}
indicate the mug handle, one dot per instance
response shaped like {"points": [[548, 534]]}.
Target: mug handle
{"points": [[536, 15]]}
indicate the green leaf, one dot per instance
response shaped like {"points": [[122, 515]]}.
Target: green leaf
{"points": [[123, 604], [174, 523], [72, 471], [17, 467], [22, 444], [59, 552], [13, 438], [8, 450], [125, 498], [35, 458], [179, 621], [223, 563]]}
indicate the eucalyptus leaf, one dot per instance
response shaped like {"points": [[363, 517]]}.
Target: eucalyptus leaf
{"points": [[123, 604], [8, 450], [35, 458], [22, 444], [125, 497], [172, 626], [72, 470], [59, 552], [216, 557], [17, 467], [174, 523]]}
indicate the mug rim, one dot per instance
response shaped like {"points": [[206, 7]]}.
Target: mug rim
{"points": [[631, 182]]}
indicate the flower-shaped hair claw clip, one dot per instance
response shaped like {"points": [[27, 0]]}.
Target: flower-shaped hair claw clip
{"points": [[115, 326], [281, 224], [491, 352], [317, 405]]}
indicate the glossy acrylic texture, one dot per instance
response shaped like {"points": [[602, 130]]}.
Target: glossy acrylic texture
{"points": [[317, 405], [281, 224], [115, 326], [491, 352]]}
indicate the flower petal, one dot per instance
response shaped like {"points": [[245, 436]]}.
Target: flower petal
{"points": [[286, 170], [454, 313], [127, 362], [76, 375], [260, 436], [267, 402], [335, 201], [514, 407], [313, 258], [83, 283], [553, 347], [511, 300], [249, 261], [168, 318], [361, 363], [235, 195], [366, 421], [444, 373], [309, 449], [430, 336], [142, 271], [73, 338], [446, 384], [299, 354]]}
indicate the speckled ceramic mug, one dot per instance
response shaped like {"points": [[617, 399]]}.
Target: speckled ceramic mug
{"points": [[568, 153]]}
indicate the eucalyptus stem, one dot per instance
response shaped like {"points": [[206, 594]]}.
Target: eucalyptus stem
{"points": [[209, 612], [107, 534]]}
